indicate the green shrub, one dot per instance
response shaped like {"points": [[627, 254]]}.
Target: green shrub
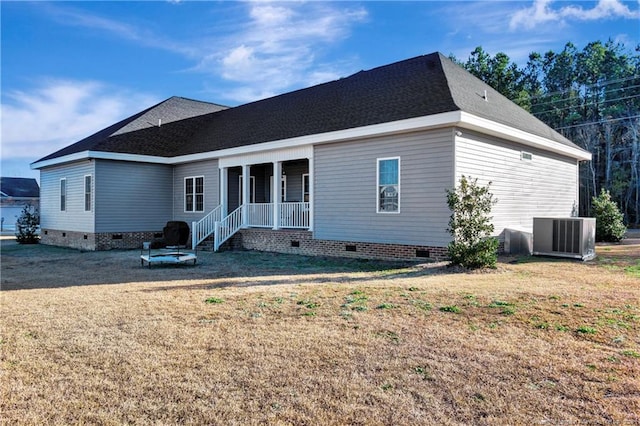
{"points": [[27, 226], [609, 221], [470, 225]]}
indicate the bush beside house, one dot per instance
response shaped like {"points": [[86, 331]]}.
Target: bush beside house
{"points": [[27, 226], [470, 225], [609, 220]]}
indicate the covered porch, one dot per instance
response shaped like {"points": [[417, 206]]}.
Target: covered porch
{"points": [[269, 190], [283, 202]]}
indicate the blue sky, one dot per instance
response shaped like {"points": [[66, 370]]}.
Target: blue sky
{"points": [[70, 69]]}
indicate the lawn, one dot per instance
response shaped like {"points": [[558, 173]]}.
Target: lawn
{"points": [[256, 338]]}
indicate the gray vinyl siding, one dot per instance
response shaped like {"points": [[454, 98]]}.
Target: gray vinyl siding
{"points": [[233, 188], [294, 180], [132, 197], [346, 189], [547, 185], [74, 218], [207, 169]]}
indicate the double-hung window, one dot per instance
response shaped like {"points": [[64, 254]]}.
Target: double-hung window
{"points": [[88, 189], [194, 194], [63, 195], [388, 187]]}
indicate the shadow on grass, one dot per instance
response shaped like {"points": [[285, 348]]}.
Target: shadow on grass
{"points": [[39, 266]]}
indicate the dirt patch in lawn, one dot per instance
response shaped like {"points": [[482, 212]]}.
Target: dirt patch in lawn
{"points": [[259, 338]]}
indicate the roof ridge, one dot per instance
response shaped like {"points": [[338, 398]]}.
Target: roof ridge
{"points": [[469, 103], [196, 100], [421, 86], [341, 79]]}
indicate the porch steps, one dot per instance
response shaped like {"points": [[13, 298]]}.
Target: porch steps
{"points": [[206, 244]]}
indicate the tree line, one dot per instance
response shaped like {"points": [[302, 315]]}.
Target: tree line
{"points": [[592, 97]]}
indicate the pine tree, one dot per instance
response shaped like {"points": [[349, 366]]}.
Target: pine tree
{"points": [[27, 226]]}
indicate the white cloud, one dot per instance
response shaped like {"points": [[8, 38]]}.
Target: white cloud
{"points": [[57, 113], [542, 12], [267, 49], [278, 47], [135, 33]]}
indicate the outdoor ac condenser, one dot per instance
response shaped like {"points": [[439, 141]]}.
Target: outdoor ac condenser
{"points": [[572, 237]]}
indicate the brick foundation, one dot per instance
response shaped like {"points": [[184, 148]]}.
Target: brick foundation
{"points": [[302, 242], [101, 241], [280, 241]]}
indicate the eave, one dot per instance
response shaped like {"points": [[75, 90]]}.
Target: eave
{"points": [[447, 119]]}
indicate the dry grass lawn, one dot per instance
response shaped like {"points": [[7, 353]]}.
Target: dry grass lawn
{"points": [[254, 338]]}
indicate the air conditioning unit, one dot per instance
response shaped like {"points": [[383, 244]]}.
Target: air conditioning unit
{"points": [[572, 237]]}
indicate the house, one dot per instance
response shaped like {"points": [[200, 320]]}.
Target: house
{"points": [[15, 194], [361, 166]]}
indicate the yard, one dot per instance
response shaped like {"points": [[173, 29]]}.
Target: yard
{"points": [[256, 338]]}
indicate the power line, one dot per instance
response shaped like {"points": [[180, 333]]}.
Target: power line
{"points": [[580, 105], [609, 120], [604, 83], [578, 97]]}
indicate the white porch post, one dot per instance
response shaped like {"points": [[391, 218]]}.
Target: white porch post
{"points": [[311, 192], [277, 190], [224, 191], [246, 184]]}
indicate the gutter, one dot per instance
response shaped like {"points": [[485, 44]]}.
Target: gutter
{"points": [[447, 119]]}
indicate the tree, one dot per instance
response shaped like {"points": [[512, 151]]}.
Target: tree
{"points": [[470, 225], [498, 72], [27, 226], [609, 223], [592, 97]]}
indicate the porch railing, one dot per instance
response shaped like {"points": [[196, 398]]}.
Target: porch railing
{"points": [[294, 215], [201, 229], [260, 215], [225, 228]]}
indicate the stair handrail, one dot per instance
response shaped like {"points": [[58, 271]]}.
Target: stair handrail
{"points": [[227, 227], [203, 228]]}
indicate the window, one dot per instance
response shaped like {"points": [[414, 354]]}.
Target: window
{"points": [[389, 185], [305, 187], [87, 193], [194, 194], [63, 195]]}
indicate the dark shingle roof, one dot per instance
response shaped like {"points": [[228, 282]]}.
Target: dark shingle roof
{"points": [[114, 139], [19, 187], [407, 89], [421, 86], [468, 94]]}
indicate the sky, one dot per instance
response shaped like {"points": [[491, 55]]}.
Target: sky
{"points": [[70, 69]]}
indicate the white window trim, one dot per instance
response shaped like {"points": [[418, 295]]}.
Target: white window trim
{"points": [[66, 199], [84, 186], [184, 200], [252, 189], [306, 175], [283, 188], [283, 194], [378, 160]]}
